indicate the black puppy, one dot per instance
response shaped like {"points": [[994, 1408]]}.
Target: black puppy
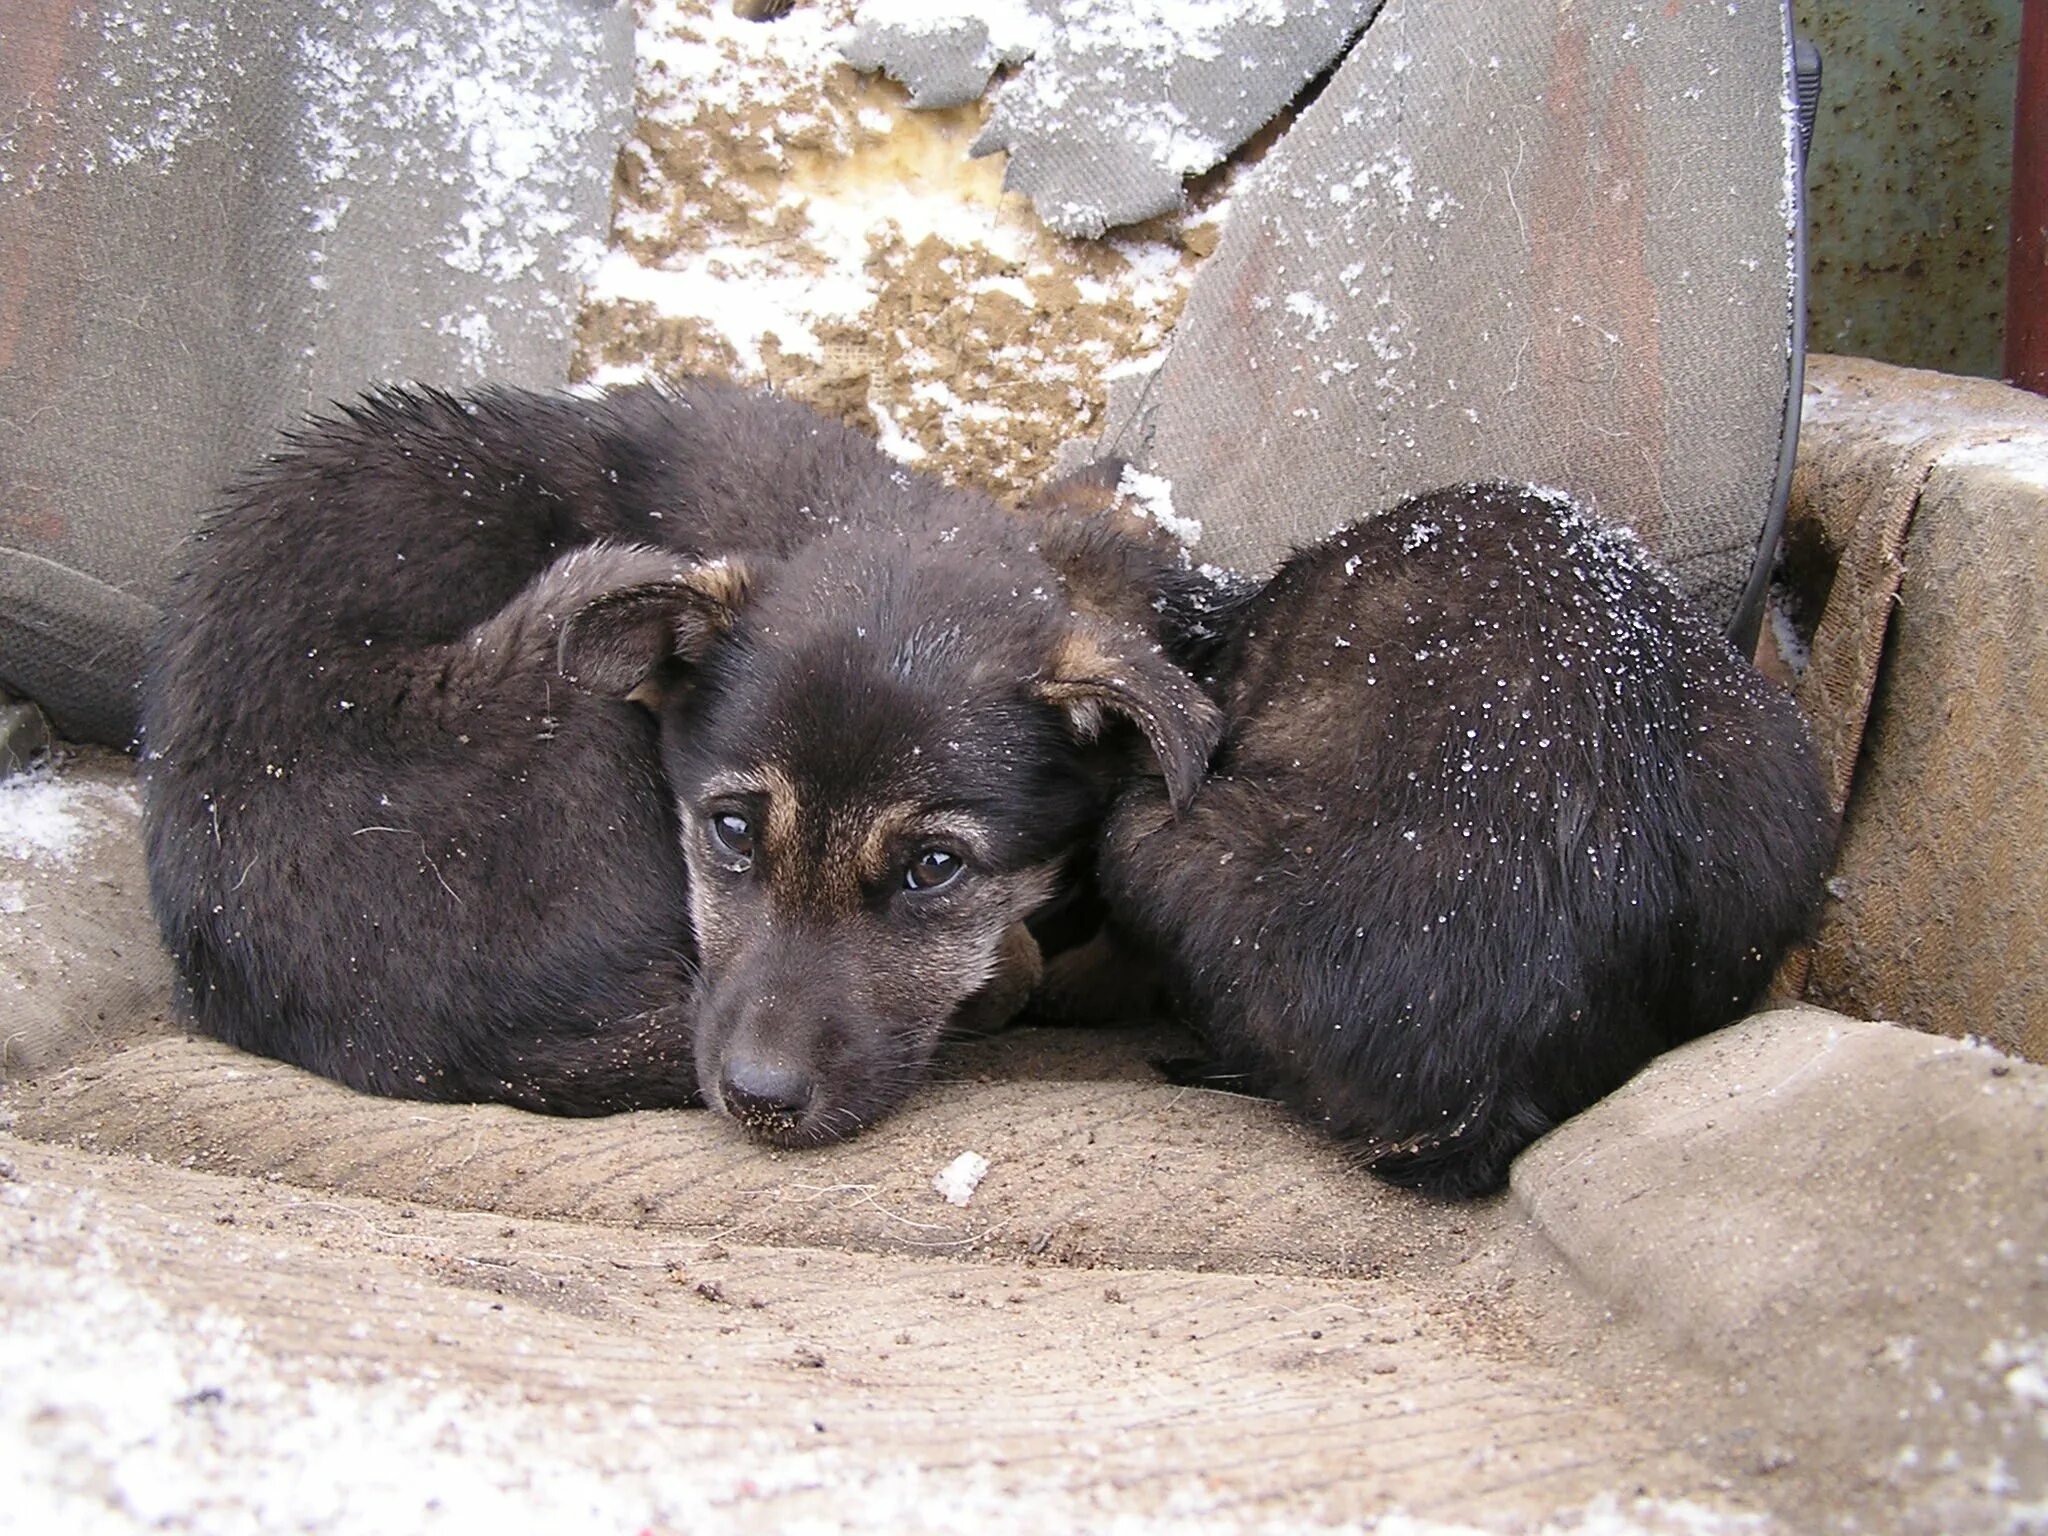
{"points": [[405, 807], [1498, 816]]}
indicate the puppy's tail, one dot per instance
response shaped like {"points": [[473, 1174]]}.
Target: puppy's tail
{"points": [[1464, 1162]]}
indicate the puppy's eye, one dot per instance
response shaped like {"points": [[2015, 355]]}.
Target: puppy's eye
{"points": [[932, 870], [732, 834]]}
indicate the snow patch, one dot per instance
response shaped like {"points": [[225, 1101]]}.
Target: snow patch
{"points": [[1793, 648], [1155, 34], [959, 1179], [745, 295], [777, 223], [46, 818], [2023, 455], [702, 56], [470, 95], [1171, 141], [891, 438], [1305, 306], [1014, 30], [1151, 496], [2022, 1365]]}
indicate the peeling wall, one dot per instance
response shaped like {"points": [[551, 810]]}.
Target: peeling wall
{"points": [[787, 221], [1911, 176]]}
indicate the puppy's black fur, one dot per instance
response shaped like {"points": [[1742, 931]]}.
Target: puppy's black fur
{"points": [[1498, 816], [895, 757], [391, 841]]}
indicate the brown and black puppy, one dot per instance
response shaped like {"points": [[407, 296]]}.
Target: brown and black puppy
{"points": [[391, 842], [1498, 816], [897, 750]]}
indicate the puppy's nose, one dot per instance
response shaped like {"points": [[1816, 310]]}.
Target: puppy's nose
{"points": [[765, 1094]]}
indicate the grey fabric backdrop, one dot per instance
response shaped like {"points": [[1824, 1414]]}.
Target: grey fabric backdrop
{"points": [[218, 215], [1524, 240], [1112, 107]]}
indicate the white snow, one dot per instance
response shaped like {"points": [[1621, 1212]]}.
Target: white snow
{"points": [[119, 1415], [1420, 532], [746, 286], [1170, 139], [1012, 287], [1158, 33], [702, 56], [46, 818], [746, 294], [1792, 647], [959, 1179], [2021, 454], [1306, 306], [2022, 1366], [469, 93], [891, 437], [781, 209], [1015, 31], [1946, 419], [1152, 497], [1136, 367]]}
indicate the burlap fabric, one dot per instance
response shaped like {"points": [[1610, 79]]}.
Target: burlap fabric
{"points": [[218, 215], [1918, 545]]}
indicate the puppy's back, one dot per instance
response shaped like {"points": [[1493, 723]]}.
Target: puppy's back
{"points": [[1498, 817]]}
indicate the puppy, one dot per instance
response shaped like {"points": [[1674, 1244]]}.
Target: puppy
{"points": [[890, 757], [1498, 815], [406, 725]]}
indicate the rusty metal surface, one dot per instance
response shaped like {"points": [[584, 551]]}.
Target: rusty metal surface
{"points": [[2026, 270], [1910, 177]]}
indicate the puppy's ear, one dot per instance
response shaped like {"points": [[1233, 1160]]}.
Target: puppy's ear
{"points": [[1089, 491], [626, 641], [1099, 670]]}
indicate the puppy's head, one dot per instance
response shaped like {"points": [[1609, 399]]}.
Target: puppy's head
{"points": [[883, 757]]}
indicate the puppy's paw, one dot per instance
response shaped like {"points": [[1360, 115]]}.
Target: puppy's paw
{"points": [[1099, 982], [1019, 967]]}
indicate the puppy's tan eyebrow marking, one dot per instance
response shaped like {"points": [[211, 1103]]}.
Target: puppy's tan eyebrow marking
{"points": [[773, 786], [894, 825]]}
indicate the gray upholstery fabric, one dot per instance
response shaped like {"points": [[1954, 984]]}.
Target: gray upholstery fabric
{"points": [[1114, 106], [218, 215], [1518, 240]]}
